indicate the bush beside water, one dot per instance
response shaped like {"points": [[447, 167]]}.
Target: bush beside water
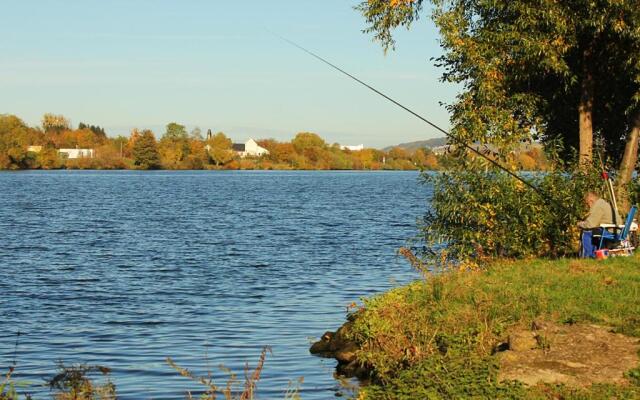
{"points": [[479, 214]]}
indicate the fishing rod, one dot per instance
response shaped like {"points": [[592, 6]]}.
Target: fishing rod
{"points": [[607, 178], [448, 134]]}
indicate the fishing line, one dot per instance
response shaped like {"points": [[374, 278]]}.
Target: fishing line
{"points": [[15, 348], [457, 140]]}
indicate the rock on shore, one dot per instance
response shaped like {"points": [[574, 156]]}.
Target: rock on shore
{"points": [[338, 345]]}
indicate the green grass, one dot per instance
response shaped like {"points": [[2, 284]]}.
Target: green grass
{"points": [[435, 338]]}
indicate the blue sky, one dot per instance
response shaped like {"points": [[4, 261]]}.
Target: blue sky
{"points": [[213, 64]]}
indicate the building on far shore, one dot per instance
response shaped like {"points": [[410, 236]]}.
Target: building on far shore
{"points": [[76, 153], [249, 148], [353, 148], [67, 153], [440, 150]]}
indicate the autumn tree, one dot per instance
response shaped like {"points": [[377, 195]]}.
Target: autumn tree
{"points": [[196, 134], [279, 152], [145, 150], [107, 156], [55, 123], [425, 158], [15, 138], [304, 141], [398, 153], [175, 131], [198, 156], [120, 143], [219, 149], [99, 131], [83, 138], [312, 147], [133, 138], [174, 145], [48, 158], [339, 159], [553, 70]]}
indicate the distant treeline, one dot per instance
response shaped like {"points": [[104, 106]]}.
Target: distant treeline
{"points": [[25, 147]]}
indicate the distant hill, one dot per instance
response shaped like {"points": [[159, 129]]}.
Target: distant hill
{"points": [[439, 142], [412, 146]]}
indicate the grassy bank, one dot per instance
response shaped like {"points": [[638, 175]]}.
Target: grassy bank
{"points": [[440, 338]]}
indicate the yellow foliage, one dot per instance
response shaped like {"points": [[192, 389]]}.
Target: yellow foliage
{"points": [[400, 3]]}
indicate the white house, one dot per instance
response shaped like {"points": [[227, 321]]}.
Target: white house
{"points": [[77, 153], [353, 148], [249, 148]]}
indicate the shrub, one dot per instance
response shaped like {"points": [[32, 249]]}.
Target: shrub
{"points": [[7, 387], [74, 383], [479, 214]]}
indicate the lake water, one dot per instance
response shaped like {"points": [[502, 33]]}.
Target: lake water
{"points": [[126, 268]]}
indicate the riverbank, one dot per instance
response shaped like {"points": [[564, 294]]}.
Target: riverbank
{"points": [[525, 329]]}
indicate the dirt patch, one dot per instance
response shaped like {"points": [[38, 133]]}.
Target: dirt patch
{"points": [[576, 355]]}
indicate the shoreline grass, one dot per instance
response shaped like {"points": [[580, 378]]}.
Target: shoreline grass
{"points": [[92, 382], [438, 338]]}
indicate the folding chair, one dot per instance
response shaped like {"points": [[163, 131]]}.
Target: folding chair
{"points": [[620, 234]]}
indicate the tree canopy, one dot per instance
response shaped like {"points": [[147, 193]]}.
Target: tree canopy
{"points": [[15, 137], [219, 148], [53, 122], [93, 128], [566, 73], [175, 131], [145, 150], [556, 71]]}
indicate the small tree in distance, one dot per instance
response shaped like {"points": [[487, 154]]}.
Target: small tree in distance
{"points": [[145, 150], [219, 147], [55, 123]]}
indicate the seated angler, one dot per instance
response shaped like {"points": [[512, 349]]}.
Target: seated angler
{"points": [[600, 212]]}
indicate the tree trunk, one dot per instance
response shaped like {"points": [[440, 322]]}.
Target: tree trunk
{"points": [[628, 164], [585, 111]]}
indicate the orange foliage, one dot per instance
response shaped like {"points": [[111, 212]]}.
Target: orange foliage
{"points": [[306, 151], [400, 3]]}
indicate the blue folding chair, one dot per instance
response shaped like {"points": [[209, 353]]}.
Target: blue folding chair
{"points": [[618, 235]]}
